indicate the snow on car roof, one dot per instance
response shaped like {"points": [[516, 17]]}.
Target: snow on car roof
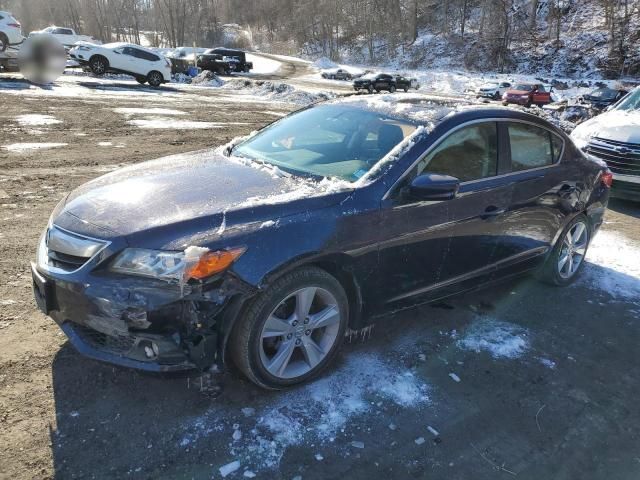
{"points": [[417, 108]]}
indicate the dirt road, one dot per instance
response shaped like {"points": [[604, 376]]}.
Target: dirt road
{"points": [[522, 381]]}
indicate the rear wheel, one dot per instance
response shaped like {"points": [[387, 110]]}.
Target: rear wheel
{"points": [[406, 89], [292, 331], [98, 65], [392, 88], [4, 42], [155, 78], [567, 257], [496, 96]]}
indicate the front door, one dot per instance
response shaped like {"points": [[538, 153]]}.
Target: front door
{"points": [[430, 248]]}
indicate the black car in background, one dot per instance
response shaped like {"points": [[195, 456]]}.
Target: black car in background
{"points": [[602, 98], [215, 63], [237, 56], [375, 82], [266, 252], [406, 83]]}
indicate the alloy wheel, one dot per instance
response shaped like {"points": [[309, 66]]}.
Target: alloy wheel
{"points": [[299, 332], [572, 252]]}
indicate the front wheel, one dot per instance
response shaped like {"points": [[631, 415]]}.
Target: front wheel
{"points": [[406, 89], [98, 65], [4, 42], [370, 89], [155, 79], [567, 257], [292, 331]]}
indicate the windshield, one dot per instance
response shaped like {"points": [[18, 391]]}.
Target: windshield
{"points": [[630, 102], [604, 94], [524, 86], [328, 141]]}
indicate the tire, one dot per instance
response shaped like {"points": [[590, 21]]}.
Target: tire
{"points": [[406, 89], [392, 89], [370, 89], [528, 104], [155, 78], [377, 90], [275, 361], [556, 272], [4, 42], [141, 80], [496, 96], [98, 65], [332, 77]]}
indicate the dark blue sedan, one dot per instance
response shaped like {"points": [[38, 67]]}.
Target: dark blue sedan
{"points": [[268, 250]]}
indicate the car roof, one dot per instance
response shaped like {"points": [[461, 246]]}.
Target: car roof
{"points": [[430, 112]]}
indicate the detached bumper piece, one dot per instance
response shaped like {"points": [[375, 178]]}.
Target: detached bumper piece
{"points": [[149, 353]]}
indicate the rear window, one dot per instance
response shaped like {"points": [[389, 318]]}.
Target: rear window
{"points": [[532, 147]]}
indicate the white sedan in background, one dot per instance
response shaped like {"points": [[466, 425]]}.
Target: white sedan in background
{"points": [[143, 64], [66, 36]]}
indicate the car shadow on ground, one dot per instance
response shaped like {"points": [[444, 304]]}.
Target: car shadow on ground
{"points": [[115, 423], [122, 86], [19, 83], [627, 207]]}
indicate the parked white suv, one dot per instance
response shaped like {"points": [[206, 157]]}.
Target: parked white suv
{"points": [[10, 31], [493, 90], [614, 137], [66, 36], [143, 64]]}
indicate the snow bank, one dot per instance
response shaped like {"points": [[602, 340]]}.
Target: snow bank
{"points": [[207, 79], [277, 91]]}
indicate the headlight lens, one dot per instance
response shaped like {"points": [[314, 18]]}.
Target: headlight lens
{"points": [[195, 262], [150, 263]]}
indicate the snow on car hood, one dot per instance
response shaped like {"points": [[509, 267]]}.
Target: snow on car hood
{"points": [[617, 125], [180, 188]]}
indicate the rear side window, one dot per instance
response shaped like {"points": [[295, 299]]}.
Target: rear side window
{"points": [[468, 154], [145, 55], [532, 147]]}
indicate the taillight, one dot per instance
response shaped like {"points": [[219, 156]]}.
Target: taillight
{"points": [[607, 179]]}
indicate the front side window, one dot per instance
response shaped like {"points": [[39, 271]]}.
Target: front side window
{"points": [[467, 154], [328, 141], [532, 147]]}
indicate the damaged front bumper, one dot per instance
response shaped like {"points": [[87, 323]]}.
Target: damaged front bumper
{"points": [[141, 323]]}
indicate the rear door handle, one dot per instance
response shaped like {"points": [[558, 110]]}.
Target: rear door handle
{"points": [[492, 211]]}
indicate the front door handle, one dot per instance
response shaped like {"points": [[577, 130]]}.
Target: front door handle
{"points": [[492, 211]]}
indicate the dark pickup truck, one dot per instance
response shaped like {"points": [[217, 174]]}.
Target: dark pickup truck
{"points": [[216, 63], [236, 60], [375, 81]]}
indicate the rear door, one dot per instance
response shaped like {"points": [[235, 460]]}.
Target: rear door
{"points": [[542, 190]]}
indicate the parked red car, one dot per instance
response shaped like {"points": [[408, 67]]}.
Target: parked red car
{"points": [[527, 94]]}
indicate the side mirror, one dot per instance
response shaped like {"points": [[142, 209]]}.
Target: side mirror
{"points": [[433, 186]]}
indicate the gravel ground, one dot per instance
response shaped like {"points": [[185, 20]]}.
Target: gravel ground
{"points": [[521, 380]]}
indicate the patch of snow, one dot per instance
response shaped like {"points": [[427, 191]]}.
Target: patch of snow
{"points": [[613, 266], [319, 457], [548, 363], [105, 144], [248, 474], [263, 65], [454, 377], [499, 339], [21, 147], [34, 119], [150, 111], [173, 124], [433, 431], [357, 444]]}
